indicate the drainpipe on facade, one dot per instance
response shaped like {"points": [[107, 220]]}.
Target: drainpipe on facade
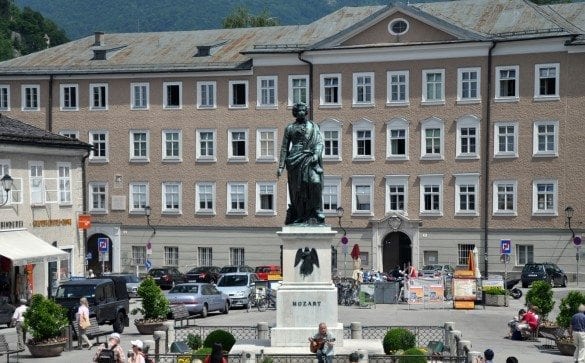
{"points": [[310, 84], [84, 203], [50, 105], [486, 162]]}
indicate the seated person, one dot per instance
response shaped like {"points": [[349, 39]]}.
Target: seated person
{"points": [[513, 325], [530, 321], [322, 344]]}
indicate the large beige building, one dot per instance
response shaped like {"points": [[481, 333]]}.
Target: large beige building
{"points": [[447, 126]]}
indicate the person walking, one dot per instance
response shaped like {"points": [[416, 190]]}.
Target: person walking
{"points": [[18, 321], [83, 321], [577, 332], [137, 354]]}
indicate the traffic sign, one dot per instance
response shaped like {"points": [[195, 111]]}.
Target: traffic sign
{"points": [[577, 241], [344, 240], [147, 264], [89, 256], [506, 247], [103, 245]]}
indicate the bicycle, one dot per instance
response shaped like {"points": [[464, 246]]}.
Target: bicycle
{"points": [[268, 300]]}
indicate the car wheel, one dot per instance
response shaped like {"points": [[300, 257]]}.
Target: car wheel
{"points": [[524, 285], [119, 323], [226, 308], [564, 282], [204, 311]]}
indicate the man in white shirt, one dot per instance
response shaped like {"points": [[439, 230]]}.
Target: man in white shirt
{"points": [[18, 320]]}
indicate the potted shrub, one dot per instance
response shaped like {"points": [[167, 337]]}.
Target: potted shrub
{"points": [[568, 307], [226, 339], [45, 320], [494, 296], [398, 339], [541, 295], [414, 355], [154, 310]]}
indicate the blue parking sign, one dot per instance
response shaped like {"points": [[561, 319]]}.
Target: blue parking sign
{"points": [[506, 247], [103, 245]]}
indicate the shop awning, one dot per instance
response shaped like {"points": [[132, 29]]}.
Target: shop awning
{"points": [[23, 248]]}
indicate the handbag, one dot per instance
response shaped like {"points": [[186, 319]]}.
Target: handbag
{"points": [[84, 323]]}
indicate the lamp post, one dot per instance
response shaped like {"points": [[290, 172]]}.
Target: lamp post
{"points": [[7, 182], [576, 241], [147, 211], [344, 240]]}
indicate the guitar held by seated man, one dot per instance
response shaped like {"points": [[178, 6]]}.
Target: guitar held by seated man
{"points": [[322, 344]]}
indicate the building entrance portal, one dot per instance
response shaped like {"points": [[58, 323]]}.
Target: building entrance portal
{"points": [[397, 250]]}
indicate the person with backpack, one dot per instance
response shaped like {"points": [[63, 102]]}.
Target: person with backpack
{"points": [[110, 352]]}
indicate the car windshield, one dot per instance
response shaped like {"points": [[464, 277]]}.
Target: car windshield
{"points": [[228, 269], [75, 291], [183, 289], [532, 268], [233, 280], [156, 273], [197, 270], [131, 279], [431, 267]]}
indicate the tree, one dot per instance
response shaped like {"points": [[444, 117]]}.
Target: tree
{"points": [[241, 17]]}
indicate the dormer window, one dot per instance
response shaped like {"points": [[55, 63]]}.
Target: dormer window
{"points": [[99, 54], [203, 51], [398, 27]]}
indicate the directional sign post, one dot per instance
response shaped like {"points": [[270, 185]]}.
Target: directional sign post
{"points": [[103, 247], [577, 242], [506, 251], [147, 264]]}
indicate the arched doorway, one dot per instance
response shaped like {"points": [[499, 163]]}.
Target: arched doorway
{"points": [[396, 250], [95, 262]]}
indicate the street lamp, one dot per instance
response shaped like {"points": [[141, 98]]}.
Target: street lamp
{"points": [[339, 215], [569, 214], [344, 240], [7, 182], [576, 241], [147, 211]]}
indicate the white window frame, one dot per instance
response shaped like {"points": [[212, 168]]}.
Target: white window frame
{"points": [[72, 134], [392, 181], [331, 125], [134, 158], [231, 156], [425, 95], [231, 94], [92, 107], [203, 102], [467, 122], [259, 187], [133, 99], [4, 97], [38, 190], [516, 96], [545, 212], [166, 105], [259, 147], [291, 89], [198, 190], [238, 211], [535, 139], [63, 106], [171, 255], [100, 159], [495, 197], [431, 180], [469, 179], [397, 124], [138, 255], [205, 256], [322, 102], [98, 210], [139, 209], [64, 184], [165, 156], [432, 123], [356, 90], [463, 250], [172, 210], [528, 253], [331, 181], [506, 153], [198, 154], [36, 100], [390, 84], [364, 125], [460, 81], [554, 97], [260, 92], [237, 256], [359, 181]]}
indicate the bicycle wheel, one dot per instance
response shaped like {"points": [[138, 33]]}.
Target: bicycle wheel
{"points": [[262, 305]]}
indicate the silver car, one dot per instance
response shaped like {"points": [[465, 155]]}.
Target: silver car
{"points": [[199, 298], [132, 283], [238, 286]]}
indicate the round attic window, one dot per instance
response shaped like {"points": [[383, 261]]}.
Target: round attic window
{"points": [[398, 27]]}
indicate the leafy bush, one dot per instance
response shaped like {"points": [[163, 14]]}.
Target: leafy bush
{"points": [[569, 306], [413, 355], [226, 339], [541, 295], [494, 290], [398, 339], [194, 341], [155, 305], [44, 319], [201, 353]]}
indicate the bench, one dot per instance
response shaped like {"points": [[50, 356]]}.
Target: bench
{"points": [[5, 349], [181, 314], [93, 331]]}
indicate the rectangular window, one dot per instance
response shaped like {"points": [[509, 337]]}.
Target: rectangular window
{"points": [[463, 253], [362, 194], [525, 254], [505, 138], [330, 196], [397, 88], [99, 140], [238, 94], [267, 91], [364, 142], [98, 197], [431, 189], [205, 256], [507, 83], [331, 89], [237, 198], [173, 94], [545, 138], [30, 97], [237, 256], [468, 84], [64, 183], [467, 196], [331, 143], [238, 145], [398, 142], [98, 96], [298, 90], [468, 140], [139, 96], [363, 88], [171, 197], [4, 97], [206, 145], [139, 145], [396, 195], [546, 82], [70, 134], [504, 196], [205, 197], [266, 144], [171, 256], [138, 255], [138, 196], [37, 183], [432, 141], [544, 197], [206, 95], [433, 85], [266, 198], [69, 97], [171, 145]]}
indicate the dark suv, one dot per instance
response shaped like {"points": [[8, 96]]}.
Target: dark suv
{"points": [[166, 277], [203, 274], [546, 271]]}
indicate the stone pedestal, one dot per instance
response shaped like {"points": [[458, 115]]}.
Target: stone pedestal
{"points": [[305, 300]]}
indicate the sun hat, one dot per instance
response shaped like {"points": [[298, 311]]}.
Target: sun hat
{"points": [[137, 343], [115, 336]]}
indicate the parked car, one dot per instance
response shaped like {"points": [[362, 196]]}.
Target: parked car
{"points": [[203, 274], [166, 277], [436, 270], [132, 283], [546, 271], [269, 272], [232, 269], [238, 286], [199, 298]]}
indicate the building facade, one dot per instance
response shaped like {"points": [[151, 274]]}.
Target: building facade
{"points": [[447, 126]]}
